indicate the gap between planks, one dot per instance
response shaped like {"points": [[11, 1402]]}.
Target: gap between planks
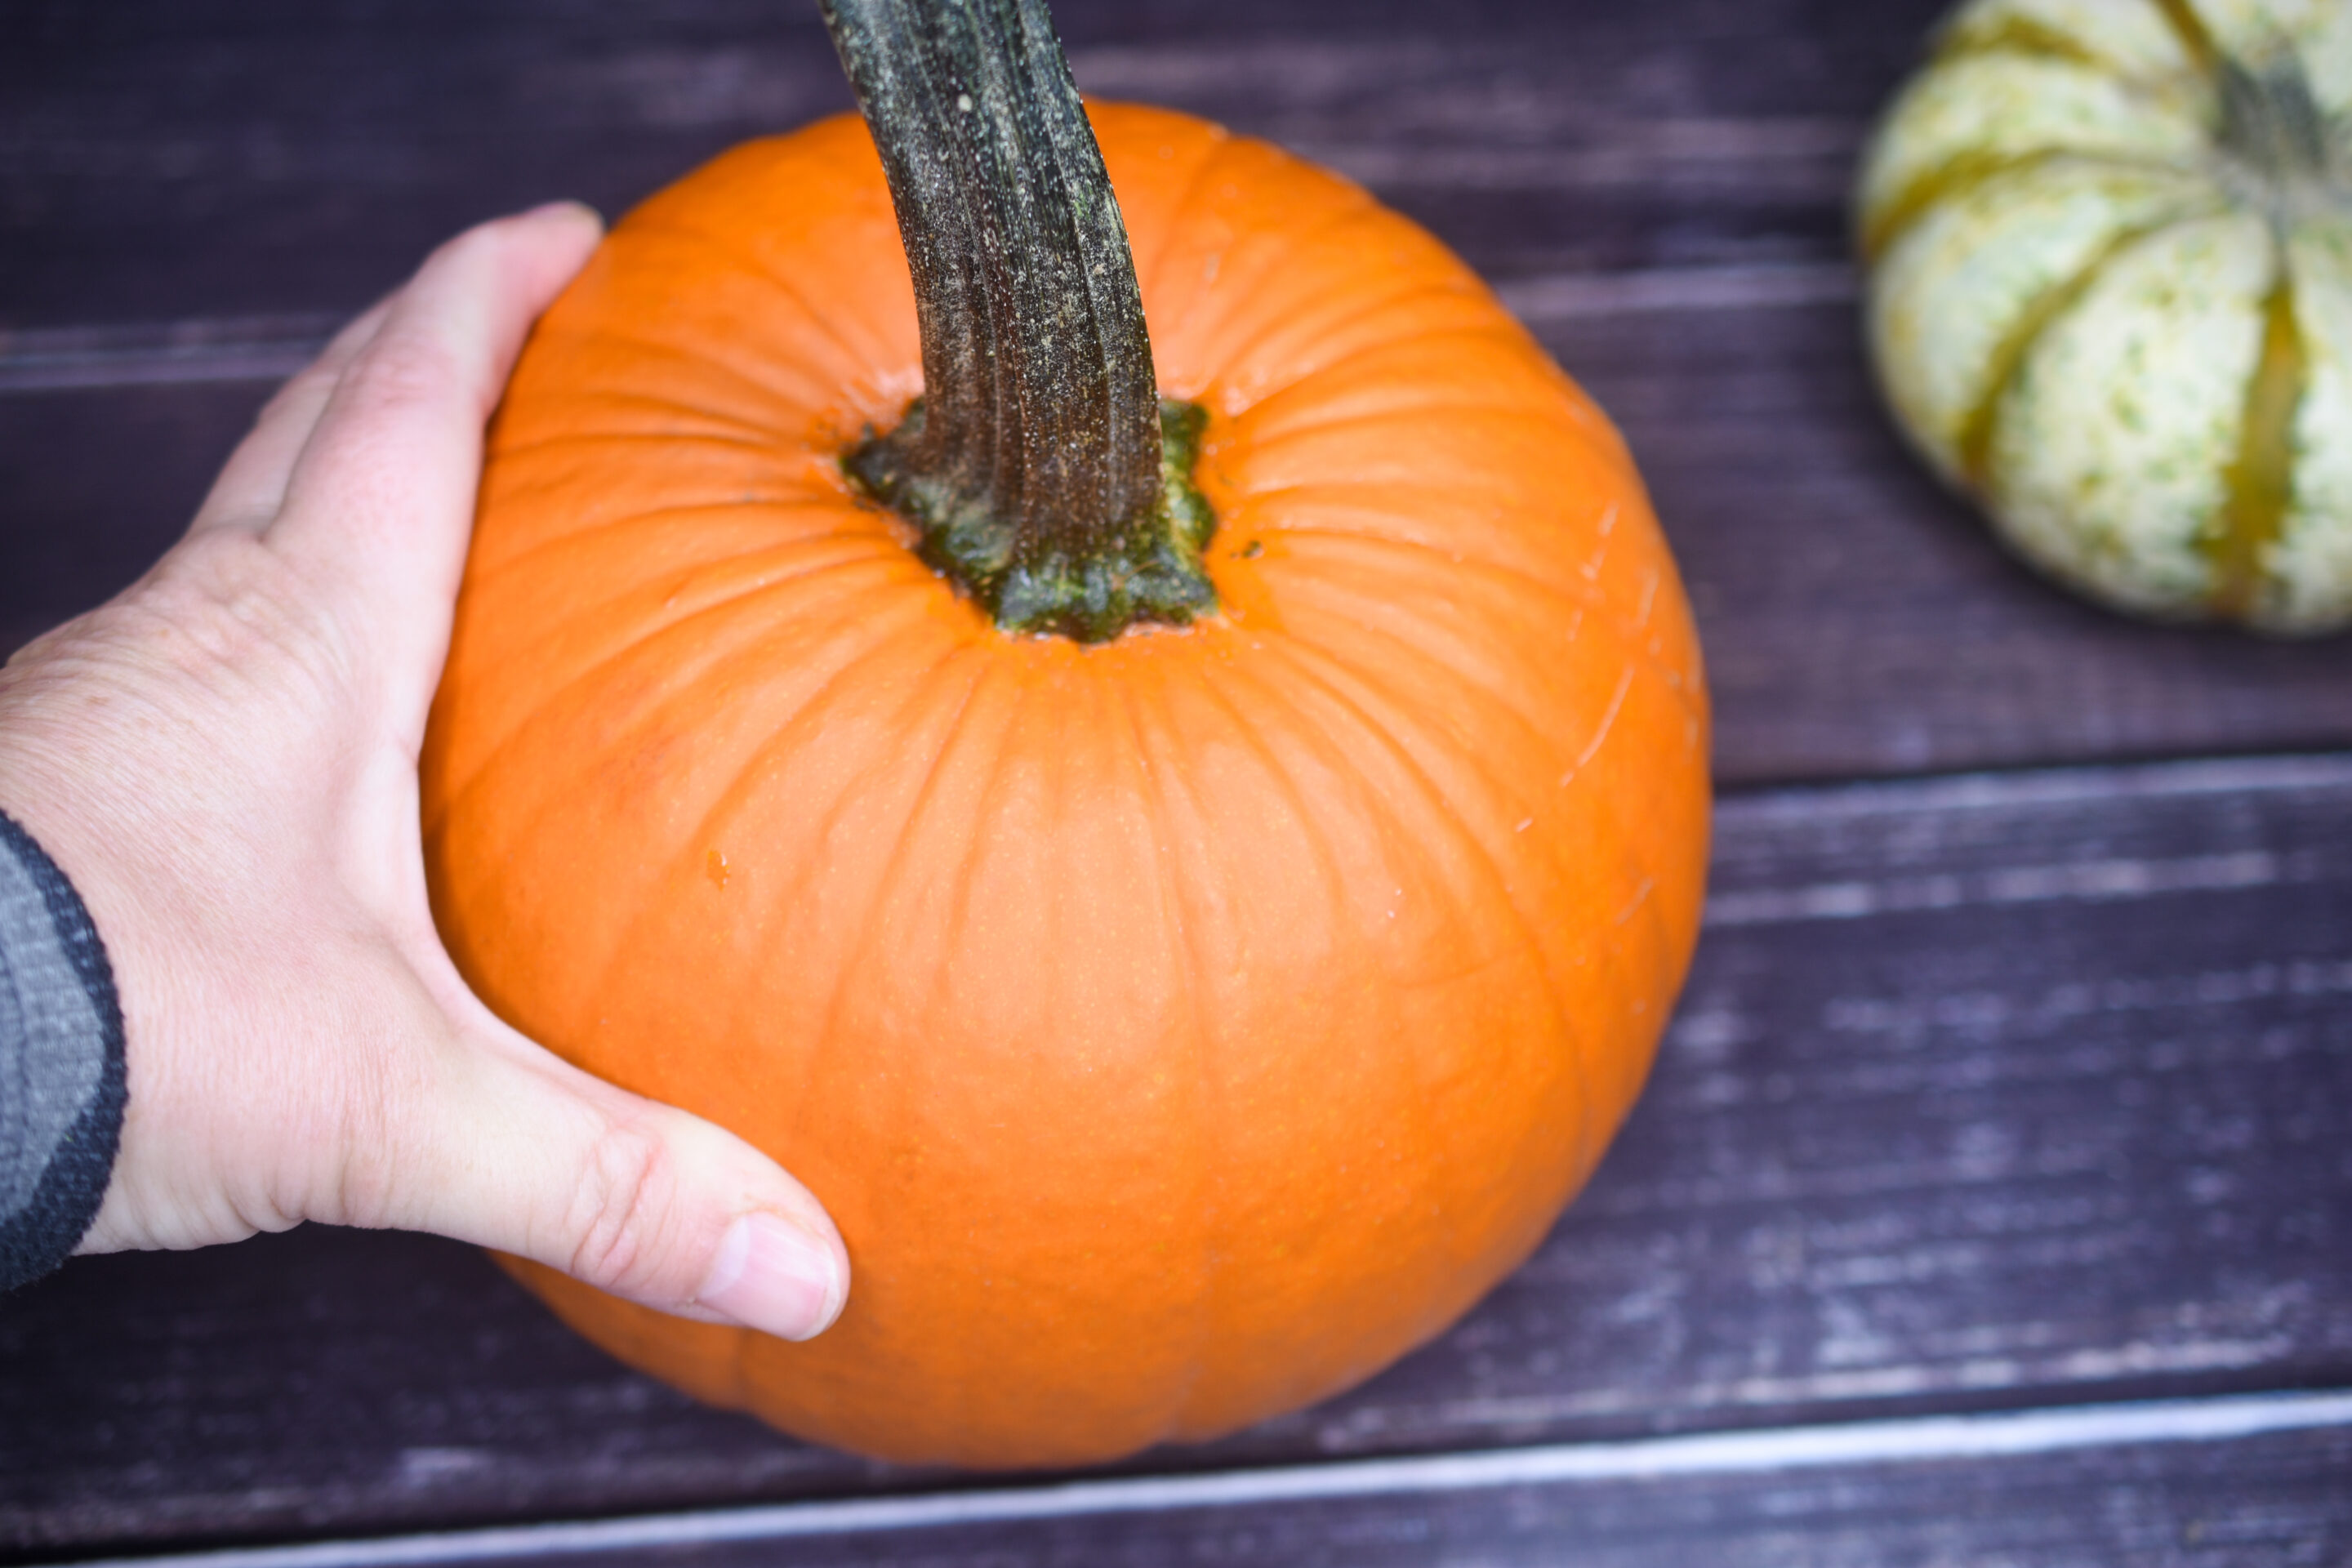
{"points": [[1913, 1440], [2095, 879], [271, 348], [227, 349]]}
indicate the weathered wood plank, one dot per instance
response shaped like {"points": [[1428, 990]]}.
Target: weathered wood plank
{"points": [[162, 159], [95, 483], [2228, 1480], [1989, 1092]]}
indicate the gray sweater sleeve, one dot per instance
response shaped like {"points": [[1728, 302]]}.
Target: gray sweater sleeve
{"points": [[62, 1086]]}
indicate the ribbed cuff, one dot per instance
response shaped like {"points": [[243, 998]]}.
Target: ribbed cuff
{"points": [[62, 1081]]}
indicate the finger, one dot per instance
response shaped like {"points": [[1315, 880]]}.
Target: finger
{"points": [[509, 1148], [252, 483], [382, 495]]}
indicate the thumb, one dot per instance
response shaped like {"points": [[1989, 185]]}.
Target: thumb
{"points": [[510, 1147]]}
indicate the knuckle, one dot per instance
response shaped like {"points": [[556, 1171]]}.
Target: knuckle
{"points": [[404, 369], [628, 1196], [302, 392]]}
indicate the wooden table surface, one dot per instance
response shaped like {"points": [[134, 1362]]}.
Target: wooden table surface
{"points": [[1991, 1201]]}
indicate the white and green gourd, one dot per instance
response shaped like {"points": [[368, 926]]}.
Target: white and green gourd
{"points": [[2110, 254]]}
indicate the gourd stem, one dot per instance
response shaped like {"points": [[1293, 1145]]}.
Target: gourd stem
{"points": [[2271, 123], [1036, 463]]}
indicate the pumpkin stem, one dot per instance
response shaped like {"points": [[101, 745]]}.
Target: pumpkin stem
{"points": [[1047, 478]]}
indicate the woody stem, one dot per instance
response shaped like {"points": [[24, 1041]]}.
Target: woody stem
{"points": [[1034, 464]]}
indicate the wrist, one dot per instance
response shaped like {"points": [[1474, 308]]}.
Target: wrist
{"points": [[61, 1041]]}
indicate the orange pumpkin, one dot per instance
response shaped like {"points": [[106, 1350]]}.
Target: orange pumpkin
{"points": [[1178, 1027]]}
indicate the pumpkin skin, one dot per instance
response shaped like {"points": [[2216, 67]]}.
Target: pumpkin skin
{"points": [[2130, 342], [1178, 1029]]}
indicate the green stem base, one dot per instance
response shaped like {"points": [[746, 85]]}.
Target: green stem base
{"points": [[1155, 573]]}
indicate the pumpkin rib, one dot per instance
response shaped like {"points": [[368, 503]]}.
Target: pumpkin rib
{"points": [[1406, 294], [788, 736], [1971, 172], [1180, 211], [1490, 325], [834, 542], [1387, 729], [1579, 591], [1205, 1036], [1353, 485], [655, 718], [736, 600], [1496, 328], [829, 1036], [1254, 739], [642, 645], [668, 515], [1437, 810], [1332, 502], [1275, 244], [1610, 811], [782, 409], [680, 421], [1972, 447], [2258, 487], [841, 555], [748, 261], [653, 714], [1314, 736], [2196, 39], [1339, 496], [1585, 596], [1341, 681], [1236, 332], [1413, 287], [751, 773], [1370, 508], [537, 445], [1518, 414], [1593, 745], [2031, 41], [954, 737], [1589, 431], [1398, 639], [1388, 631], [2021, 36]]}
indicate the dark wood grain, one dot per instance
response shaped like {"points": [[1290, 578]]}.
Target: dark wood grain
{"points": [[1986, 1093], [1998, 1490], [168, 159], [96, 482]]}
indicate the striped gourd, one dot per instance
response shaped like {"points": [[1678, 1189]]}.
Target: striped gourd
{"points": [[2109, 247]]}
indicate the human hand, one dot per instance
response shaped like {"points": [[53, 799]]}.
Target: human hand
{"points": [[223, 761]]}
